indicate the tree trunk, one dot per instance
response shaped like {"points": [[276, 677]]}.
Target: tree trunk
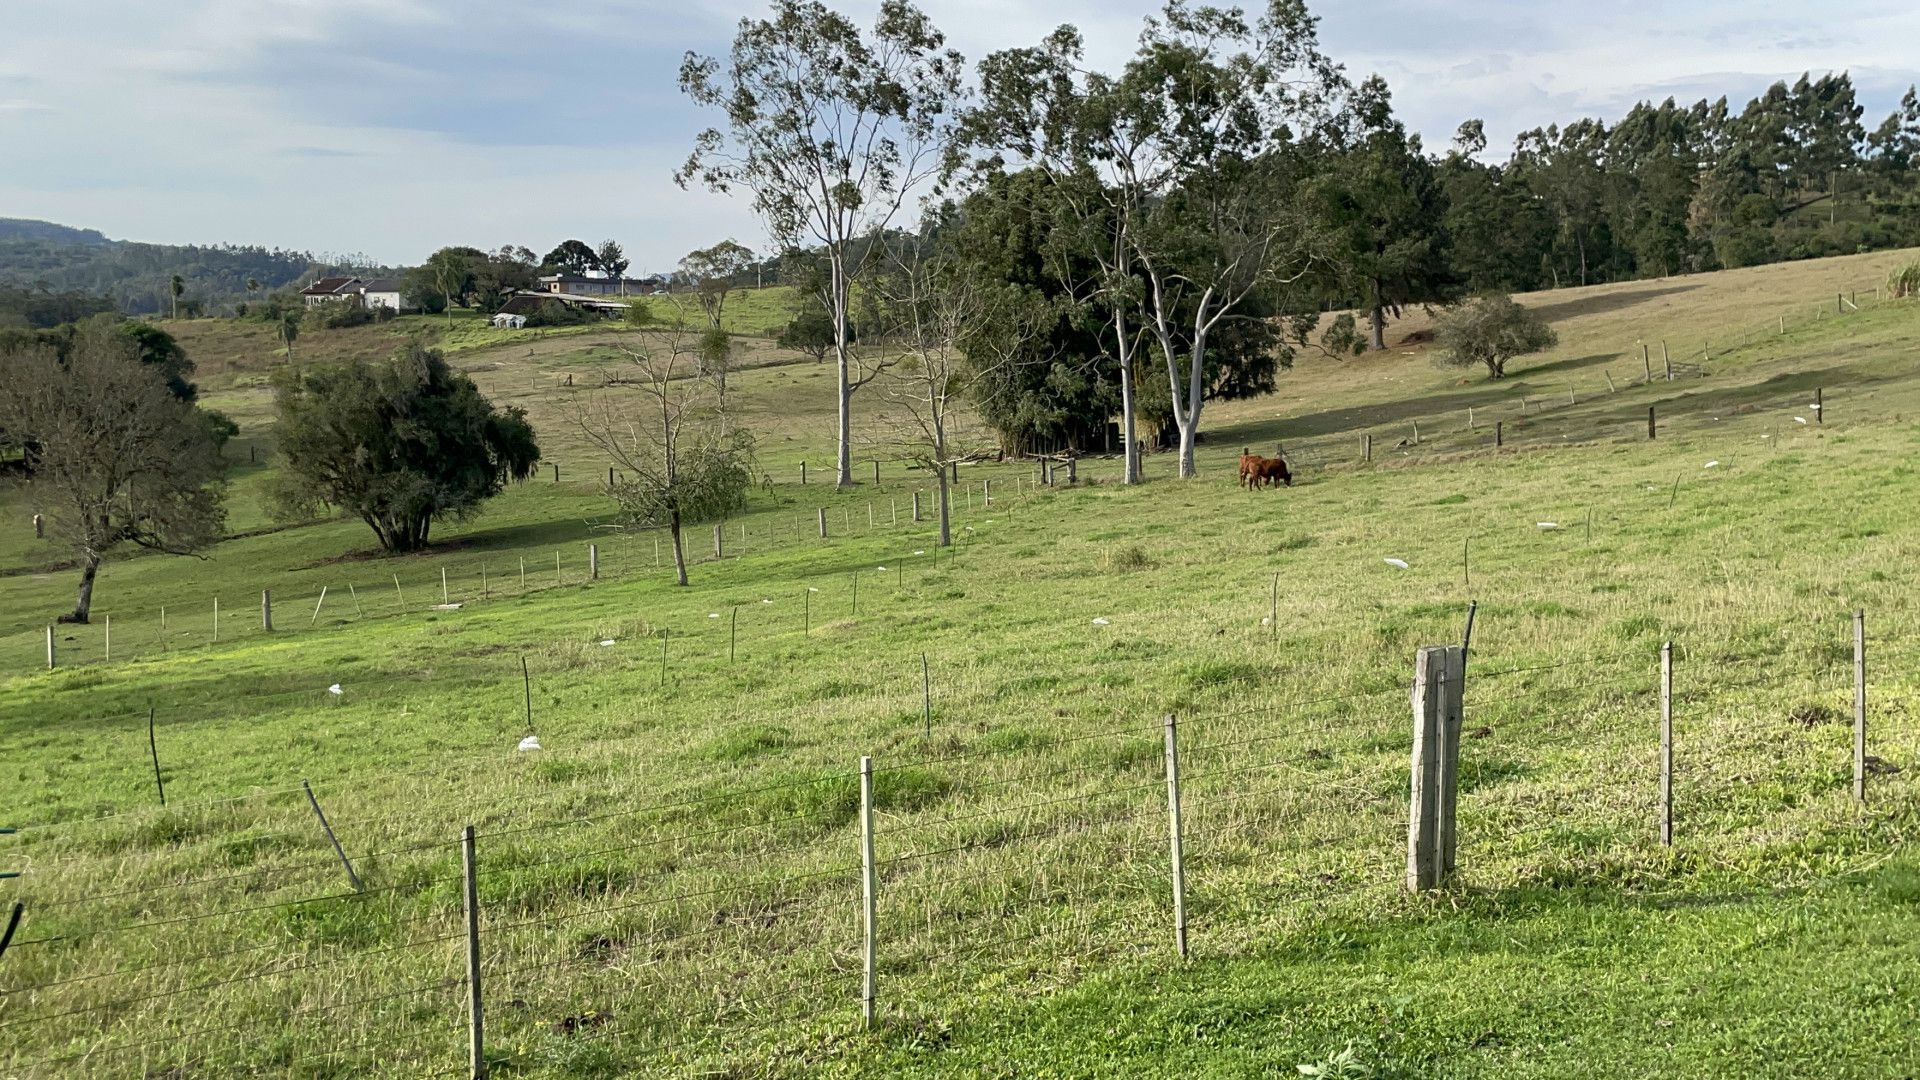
{"points": [[679, 552], [83, 603], [1129, 437], [843, 365], [1378, 319], [946, 502]]}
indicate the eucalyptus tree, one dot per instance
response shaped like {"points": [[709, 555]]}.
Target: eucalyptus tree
{"points": [[712, 271], [831, 130], [1189, 149]]}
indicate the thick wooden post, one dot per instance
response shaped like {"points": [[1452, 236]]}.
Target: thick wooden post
{"points": [[1667, 359], [593, 562], [39, 527], [1666, 744], [1433, 786], [266, 609], [916, 507], [876, 472], [823, 522], [1859, 705], [1073, 471], [1652, 431], [803, 473], [1499, 433], [476, 1041], [1366, 448], [1819, 405], [1174, 837], [717, 547], [49, 648], [556, 472], [869, 895], [1646, 361]]}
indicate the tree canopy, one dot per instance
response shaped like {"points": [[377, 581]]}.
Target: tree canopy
{"points": [[118, 456], [1491, 329], [400, 444]]}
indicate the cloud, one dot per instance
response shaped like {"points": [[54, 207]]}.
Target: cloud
{"points": [[486, 121]]}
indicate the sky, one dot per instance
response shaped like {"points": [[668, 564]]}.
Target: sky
{"points": [[388, 128]]}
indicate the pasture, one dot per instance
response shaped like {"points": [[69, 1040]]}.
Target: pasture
{"points": [[671, 885]]}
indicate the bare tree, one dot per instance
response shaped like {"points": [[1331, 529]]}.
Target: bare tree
{"points": [[118, 459], [952, 330], [679, 461], [831, 130]]}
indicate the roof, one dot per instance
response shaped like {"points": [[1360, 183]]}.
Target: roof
{"points": [[328, 286], [385, 284]]}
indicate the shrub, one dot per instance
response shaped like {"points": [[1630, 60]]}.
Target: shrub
{"points": [[1904, 283], [1491, 330]]}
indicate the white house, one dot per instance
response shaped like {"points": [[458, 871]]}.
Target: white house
{"points": [[331, 289], [381, 292]]}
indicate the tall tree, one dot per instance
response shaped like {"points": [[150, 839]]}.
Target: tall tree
{"points": [[1491, 329], [680, 461], [118, 457], [712, 271], [614, 262], [176, 287], [572, 257], [1383, 201], [831, 130], [400, 444]]}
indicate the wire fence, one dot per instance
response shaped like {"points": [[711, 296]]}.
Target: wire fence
{"points": [[693, 933]]}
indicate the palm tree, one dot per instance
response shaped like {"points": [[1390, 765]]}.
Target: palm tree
{"points": [[178, 285], [289, 330]]}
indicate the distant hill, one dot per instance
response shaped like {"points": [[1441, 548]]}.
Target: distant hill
{"points": [[135, 277]]}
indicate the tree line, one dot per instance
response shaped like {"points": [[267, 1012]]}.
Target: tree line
{"points": [[1175, 227]]}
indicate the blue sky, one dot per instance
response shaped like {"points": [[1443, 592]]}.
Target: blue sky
{"points": [[391, 127]]}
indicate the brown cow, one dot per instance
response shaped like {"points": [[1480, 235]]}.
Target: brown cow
{"points": [[1248, 460], [1268, 471]]}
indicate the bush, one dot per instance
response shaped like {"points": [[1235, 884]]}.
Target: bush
{"points": [[556, 313], [1904, 283], [1491, 330]]}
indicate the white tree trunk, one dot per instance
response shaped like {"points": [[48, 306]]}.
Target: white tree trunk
{"points": [[843, 370], [1129, 440]]}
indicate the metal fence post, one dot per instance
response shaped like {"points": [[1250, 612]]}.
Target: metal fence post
{"points": [[1859, 705], [1174, 837], [869, 893], [476, 1043], [1666, 744]]}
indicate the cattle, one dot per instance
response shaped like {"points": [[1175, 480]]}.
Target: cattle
{"points": [[1248, 459], [1268, 471]]}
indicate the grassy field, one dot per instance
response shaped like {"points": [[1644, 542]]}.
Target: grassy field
{"points": [[670, 885]]}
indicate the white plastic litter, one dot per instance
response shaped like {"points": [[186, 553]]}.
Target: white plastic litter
{"points": [[713, 614], [1548, 524], [919, 553], [1099, 621], [604, 642], [766, 601], [1815, 405], [1400, 564], [1711, 465], [531, 742], [334, 690], [883, 569], [1799, 419]]}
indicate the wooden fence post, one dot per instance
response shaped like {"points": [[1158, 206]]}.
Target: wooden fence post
{"points": [[803, 473], [916, 507], [609, 476], [1666, 744], [49, 648], [869, 894], [593, 562], [822, 512], [445, 596], [1366, 448], [1859, 705], [1646, 361], [39, 527], [1073, 471], [1819, 405], [153, 750], [316, 606], [476, 1042], [1174, 837], [1651, 430], [1433, 786], [718, 551], [266, 609], [556, 472], [216, 618], [876, 472]]}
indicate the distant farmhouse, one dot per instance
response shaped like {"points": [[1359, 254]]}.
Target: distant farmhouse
{"points": [[374, 293], [514, 313]]}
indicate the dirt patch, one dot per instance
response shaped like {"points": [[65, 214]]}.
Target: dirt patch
{"points": [[1423, 336]]}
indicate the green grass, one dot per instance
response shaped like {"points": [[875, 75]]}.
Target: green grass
{"points": [[668, 885]]}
